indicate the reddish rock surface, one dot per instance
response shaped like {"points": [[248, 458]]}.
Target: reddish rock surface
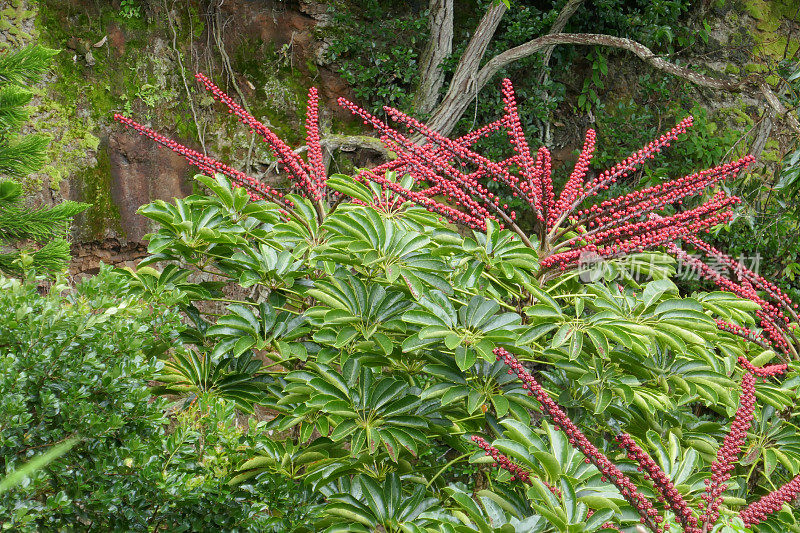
{"points": [[141, 171]]}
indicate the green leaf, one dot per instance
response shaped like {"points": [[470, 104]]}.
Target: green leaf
{"points": [[465, 357], [349, 187], [17, 476], [500, 403], [550, 464]]}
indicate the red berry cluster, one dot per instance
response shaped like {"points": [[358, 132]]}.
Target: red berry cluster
{"points": [[668, 494], [649, 515], [297, 168], [729, 452], [766, 371], [757, 512], [315, 161], [777, 313], [501, 461], [745, 333], [623, 239]]}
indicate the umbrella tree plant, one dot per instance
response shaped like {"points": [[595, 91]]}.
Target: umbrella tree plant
{"points": [[384, 330]]}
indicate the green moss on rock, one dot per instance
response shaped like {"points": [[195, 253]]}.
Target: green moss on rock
{"points": [[93, 185]]}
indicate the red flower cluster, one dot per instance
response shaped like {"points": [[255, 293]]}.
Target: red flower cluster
{"points": [[766, 371], [668, 494], [745, 333], [777, 312], [757, 512], [255, 188], [501, 461], [310, 176], [672, 500], [610, 229], [649, 515], [729, 452], [450, 169]]}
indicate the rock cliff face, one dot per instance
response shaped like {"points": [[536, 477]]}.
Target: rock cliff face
{"points": [[141, 63], [140, 172]]}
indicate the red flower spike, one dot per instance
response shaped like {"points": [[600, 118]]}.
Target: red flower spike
{"points": [[639, 236], [729, 452], [757, 512], [662, 483], [574, 184], [256, 189], [766, 371], [776, 306], [527, 164], [649, 515], [634, 160], [507, 464], [297, 168], [315, 160], [545, 179]]}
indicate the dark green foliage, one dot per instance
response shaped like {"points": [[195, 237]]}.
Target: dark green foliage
{"points": [[45, 227], [377, 51], [26, 66], [78, 367], [20, 155]]}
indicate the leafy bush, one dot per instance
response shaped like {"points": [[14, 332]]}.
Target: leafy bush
{"points": [[379, 61], [78, 366]]}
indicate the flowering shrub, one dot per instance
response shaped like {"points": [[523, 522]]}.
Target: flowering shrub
{"points": [[372, 329]]}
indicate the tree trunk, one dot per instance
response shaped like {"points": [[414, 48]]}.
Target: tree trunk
{"points": [[438, 48], [463, 87], [469, 77], [558, 26]]}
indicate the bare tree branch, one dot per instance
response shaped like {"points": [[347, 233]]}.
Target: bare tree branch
{"points": [[459, 97], [593, 39], [780, 109], [558, 26]]}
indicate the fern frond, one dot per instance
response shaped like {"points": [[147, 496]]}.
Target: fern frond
{"points": [[18, 222], [25, 66], [13, 110], [20, 156], [52, 257]]}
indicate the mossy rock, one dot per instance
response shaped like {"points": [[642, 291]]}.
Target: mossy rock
{"points": [[93, 186], [731, 69], [752, 68]]}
